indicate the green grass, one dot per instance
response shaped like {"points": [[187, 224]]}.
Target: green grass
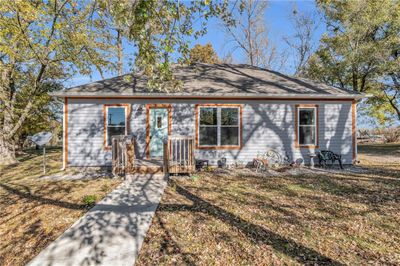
{"points": [[35, 211]]}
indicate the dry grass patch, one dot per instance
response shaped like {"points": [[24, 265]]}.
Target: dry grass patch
{"points": [[36, 211], [243, 218], [376, 155]]}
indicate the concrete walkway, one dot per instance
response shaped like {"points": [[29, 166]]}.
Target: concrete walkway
{"points": [[112, 232]]}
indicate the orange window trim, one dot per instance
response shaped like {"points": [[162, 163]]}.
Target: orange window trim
{"points": [[353, 129], [127, 120], [296, 122], [65, 162], [154, 106], [235, 147]]}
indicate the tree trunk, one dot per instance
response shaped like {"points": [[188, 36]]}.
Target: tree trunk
{"points": [[7, 152], [394, 106], [120, 54]]}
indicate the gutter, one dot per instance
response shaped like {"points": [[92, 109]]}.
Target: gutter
{"points": [[214, 96]]}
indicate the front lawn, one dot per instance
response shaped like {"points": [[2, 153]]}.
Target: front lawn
{"points": [[35, 211], [243, 218], [377, 155]]}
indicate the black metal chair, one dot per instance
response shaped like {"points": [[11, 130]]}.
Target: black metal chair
{"points": [[325, 156]]}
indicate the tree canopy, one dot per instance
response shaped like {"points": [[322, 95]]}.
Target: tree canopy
{"points": [[160, 31], [42, 43], [46, 42], [361, 51], [203, 54]]}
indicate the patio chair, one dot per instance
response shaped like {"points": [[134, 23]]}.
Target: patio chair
{"points": [[325, 156]]}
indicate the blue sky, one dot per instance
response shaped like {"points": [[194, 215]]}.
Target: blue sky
{"points": [[277, 22]]}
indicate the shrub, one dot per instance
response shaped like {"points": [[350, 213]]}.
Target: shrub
{"points": [[391, 135], [194, 177], [89, 200]]}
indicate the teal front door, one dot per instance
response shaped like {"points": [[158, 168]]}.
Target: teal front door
{"points": [[158, 130]]}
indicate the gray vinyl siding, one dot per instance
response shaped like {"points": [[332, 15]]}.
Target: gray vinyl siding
{"points": [[266, 125]]}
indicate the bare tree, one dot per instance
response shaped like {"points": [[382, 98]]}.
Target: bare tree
{"points": [[301, 42], [120, 53], [249, 33], [228, 58], [115, 15]]}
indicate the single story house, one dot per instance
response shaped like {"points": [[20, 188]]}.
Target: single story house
{"points": [[233, 111]]}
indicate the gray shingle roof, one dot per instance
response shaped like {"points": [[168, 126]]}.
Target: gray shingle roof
{"points": [[218, 80]]}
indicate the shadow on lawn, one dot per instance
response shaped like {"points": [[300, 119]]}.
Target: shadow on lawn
{"points": [[257, 233], [111, 231], [382, 171], [359, 188], [169, 246], [27, 195]]}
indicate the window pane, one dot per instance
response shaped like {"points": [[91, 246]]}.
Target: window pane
{"points": [[112, 131], [208, 116], [208, 136], [159, 122], [116, 116], [229, 136], [307, 116], [306, 135], [230, 116]]}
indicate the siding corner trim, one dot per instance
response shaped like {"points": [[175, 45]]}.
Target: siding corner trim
{"points": [[65, 134], [354, 129]]}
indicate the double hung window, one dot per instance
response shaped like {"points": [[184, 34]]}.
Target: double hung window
{"points": [[219, 126]]}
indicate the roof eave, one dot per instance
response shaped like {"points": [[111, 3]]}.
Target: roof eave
{"points": [[209, 96]]}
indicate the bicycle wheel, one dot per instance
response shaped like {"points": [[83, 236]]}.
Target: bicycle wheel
{"points": [[274, 157]]}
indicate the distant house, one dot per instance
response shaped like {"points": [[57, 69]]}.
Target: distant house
{"points": [[232, 111]]}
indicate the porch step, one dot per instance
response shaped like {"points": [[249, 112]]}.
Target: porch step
{"points": [[146, 166], [148, 169]]}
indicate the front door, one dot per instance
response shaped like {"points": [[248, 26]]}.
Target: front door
{"points": [[158, 130]]}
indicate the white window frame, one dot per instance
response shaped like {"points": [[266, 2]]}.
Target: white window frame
{"points": [[219, 126], [315, 125], [106, 122]]}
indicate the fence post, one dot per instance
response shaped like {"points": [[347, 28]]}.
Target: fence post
{"points": [[130, 155], [114, 156], [166, 158]]}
